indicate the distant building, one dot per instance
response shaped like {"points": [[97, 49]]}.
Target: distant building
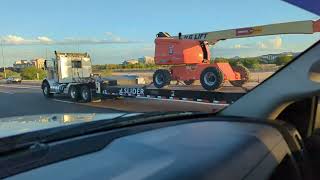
{"points": [[21, 64], [236, 57], [287, 54], [146, 60], [38, 63], [131, 61], [271, 58]]}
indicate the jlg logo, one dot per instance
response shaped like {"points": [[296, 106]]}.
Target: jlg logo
{"points": [[170, 49], [201, 36]]}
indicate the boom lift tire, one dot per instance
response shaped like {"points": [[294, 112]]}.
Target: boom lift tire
{"points": [[244, 73], [211, 78], [161, 78], [189, 82], [46, 90], [74, 93], [85, 94]]}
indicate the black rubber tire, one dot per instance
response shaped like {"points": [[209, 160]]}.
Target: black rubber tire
{"points": [[85, 94], [46, 90], [216, 82], [189, 82], [161, 78], [74, 93], [244, 73]]}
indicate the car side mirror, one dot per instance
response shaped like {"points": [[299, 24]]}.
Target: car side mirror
{"points": [[314, 72]]}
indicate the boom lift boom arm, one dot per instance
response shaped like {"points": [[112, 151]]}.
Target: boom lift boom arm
{"points": [[298, 27]]}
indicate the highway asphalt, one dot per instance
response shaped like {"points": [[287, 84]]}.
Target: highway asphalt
{"points": [[20, 100], [27, 99]]}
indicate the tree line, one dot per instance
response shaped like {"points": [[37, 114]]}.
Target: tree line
{"points": [[251, 63], [254, 63], [28, 73], [124, 66], [32, 73]]}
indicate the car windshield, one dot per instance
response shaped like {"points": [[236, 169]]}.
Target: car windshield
{"points": [[146, 56]]}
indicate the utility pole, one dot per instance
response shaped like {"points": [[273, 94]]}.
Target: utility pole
{"points": [[78, 45], [4, 68], [46, 53]]}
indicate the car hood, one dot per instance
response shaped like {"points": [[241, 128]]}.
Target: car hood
{"points": [[11, 126]]}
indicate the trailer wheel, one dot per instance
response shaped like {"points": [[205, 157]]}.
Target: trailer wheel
{"points": [[74, 93], [244, 73], [46, 90], [161, 78], [189, 82], [211, 78], [85, 93]]}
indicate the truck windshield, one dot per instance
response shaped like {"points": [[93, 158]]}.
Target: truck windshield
{"points": [[126, 56], [76, 64]]}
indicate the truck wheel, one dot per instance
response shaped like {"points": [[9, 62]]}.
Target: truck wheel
{"points": [[74, 93], [244, 73], [189, 82], [46, 90], [85, 93], [161, 78], [211, 78]]}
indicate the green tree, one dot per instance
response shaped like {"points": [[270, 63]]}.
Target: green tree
{"points": [[30, 73], [10, 73], [251, 63], [105, 73], [234, 62], [282, 60], [221, 61]]}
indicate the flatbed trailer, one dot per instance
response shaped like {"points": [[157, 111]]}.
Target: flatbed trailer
{"points": [[144, 91]]}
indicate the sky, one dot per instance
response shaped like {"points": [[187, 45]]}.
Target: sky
{"points": [[113, 31]]}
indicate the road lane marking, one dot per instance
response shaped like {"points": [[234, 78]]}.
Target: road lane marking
{"points": [[58, 100], [6, 92], [178, 100], [20, 87], [172, 100]]}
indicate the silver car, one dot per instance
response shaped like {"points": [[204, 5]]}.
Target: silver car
{"points": [[13, 80]]}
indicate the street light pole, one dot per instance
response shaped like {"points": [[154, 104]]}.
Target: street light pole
{"points": [[4, 68]]}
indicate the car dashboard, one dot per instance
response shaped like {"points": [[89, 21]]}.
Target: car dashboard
{"points": [[201, 149]]}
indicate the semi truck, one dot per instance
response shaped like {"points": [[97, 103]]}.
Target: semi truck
{"points": [[70, 74]]}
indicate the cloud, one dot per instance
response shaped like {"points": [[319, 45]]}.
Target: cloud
{"points": [[276, 42], [109, 33], [13, 39], [237, 46], [18, 40], [271, 44], [44, 39], [114, 38], [262, 45]]}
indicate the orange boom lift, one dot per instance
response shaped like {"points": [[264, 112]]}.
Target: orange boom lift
{"points": [[189, 55]]}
